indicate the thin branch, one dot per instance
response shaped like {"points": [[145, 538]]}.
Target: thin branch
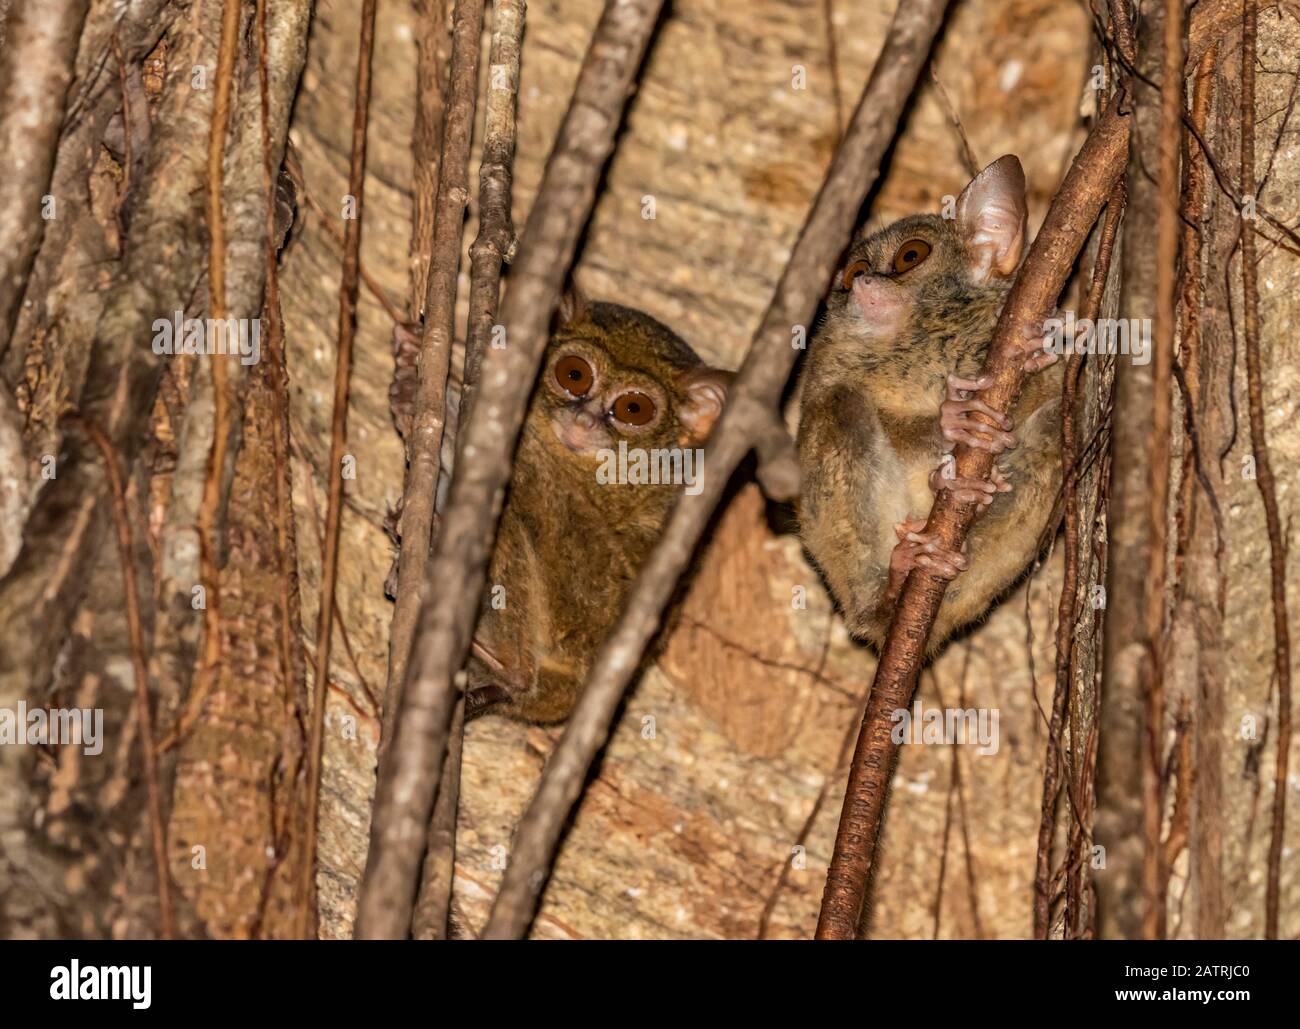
{"points": [[424, 441], [348, 291], [1168, 227], [1264, 472], [410, 770], [433, 45], [495, 242], [1086, 188], [209, 511], [754, 395], [950, 109], [144, 713], [494, 245]]}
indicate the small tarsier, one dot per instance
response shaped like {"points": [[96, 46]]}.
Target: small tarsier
{"points": [[892, 386], [570, 542]]}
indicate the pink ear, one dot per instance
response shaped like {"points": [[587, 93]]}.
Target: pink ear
{"points": [[991, 218], [705, 391]]}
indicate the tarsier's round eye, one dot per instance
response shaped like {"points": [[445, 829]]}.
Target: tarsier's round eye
{"points": [[634, 408], [574, 375], [853, 271], [910, 254]]}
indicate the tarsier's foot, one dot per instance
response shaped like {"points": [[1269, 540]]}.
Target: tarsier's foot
{"points": [[1038, 339], [969, 491], [917, 549], [406, 373], [958, 421]]}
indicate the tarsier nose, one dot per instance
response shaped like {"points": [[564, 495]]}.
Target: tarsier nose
{"points": [[584, 419]]}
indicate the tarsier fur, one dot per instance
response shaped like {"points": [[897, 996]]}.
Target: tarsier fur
{"points": [[879, 413], [569, 546]]}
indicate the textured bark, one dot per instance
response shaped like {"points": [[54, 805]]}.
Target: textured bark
{"points": [[35, 71]]}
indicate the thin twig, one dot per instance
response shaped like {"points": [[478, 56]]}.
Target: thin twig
{"points": [[1168, 227], [1264, 472], [494, 245], [209, 510], [148, 756], [754, 395], [348, 291], [428, 419], [495, 242], [945, 101]]}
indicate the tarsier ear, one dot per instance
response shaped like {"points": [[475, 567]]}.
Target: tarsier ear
{"points": [[991, 219], [705, 391], [574, 305]]}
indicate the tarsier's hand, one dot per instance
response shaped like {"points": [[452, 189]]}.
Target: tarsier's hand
{"points": [[919, 549], [1038, 337], [969, 491], [958, 424]]}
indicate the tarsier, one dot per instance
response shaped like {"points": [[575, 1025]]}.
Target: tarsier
{"points": [[889, 390], [570, 542]]}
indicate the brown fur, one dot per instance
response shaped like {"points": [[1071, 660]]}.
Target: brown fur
{"points": [[569, 547], [869, 436]]}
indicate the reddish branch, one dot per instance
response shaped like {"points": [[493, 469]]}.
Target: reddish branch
{"points": [[1264, 470], [424, 442], [209, 510], [752, 399], [1168, 210], [1091, 178], [411, 768], [348, 290], [144, 711], [39, 52]]}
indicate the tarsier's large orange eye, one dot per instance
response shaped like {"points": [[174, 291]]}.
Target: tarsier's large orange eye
{"points": [[853, 271], [634, 408], [910, 254], [574, 375]]}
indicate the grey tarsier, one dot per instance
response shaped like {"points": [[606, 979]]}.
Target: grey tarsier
{"points": [[890, 389]]}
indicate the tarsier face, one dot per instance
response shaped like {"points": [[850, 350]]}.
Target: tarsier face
{"points": [[612, 374], [597, 403], [925, 260]]}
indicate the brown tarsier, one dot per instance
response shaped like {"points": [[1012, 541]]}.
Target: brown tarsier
{"points": [[618, 393], [890, 389]]}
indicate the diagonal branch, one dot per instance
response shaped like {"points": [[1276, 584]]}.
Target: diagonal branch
{"points": [[753, 397], [1091, 178], [410, 770]]}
